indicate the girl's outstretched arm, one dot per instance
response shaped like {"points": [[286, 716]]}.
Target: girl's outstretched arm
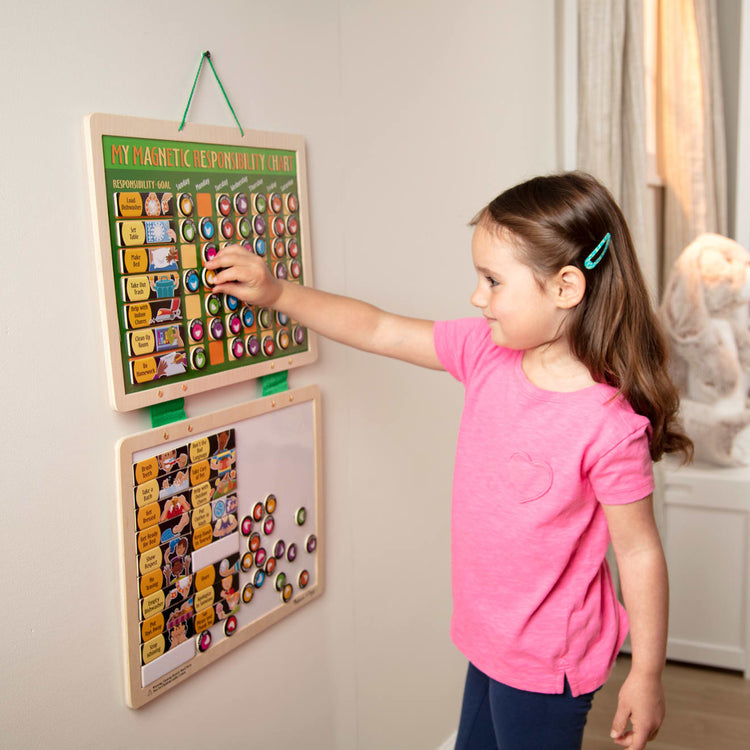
{"points": [[645, 589], [348, 321]]}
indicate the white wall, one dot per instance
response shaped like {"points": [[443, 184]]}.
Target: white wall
{"points": [[415, 113]]}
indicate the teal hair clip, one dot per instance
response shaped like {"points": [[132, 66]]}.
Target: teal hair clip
{"points": [[599, 252]]}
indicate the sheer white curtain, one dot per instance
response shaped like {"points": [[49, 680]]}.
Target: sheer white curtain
{"points": [[690, 134], [691, 141], [612, 112]]}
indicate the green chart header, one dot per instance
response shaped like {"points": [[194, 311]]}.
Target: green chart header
{"points": [[130, 153]]}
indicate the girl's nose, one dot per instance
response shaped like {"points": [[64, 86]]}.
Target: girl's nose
{"points": [[477, 298]]}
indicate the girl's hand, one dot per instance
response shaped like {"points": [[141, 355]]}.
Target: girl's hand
{"points": [[245, 276], [641, 700]]}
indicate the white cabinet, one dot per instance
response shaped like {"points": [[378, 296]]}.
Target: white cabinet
{"points": [[706, 536]]}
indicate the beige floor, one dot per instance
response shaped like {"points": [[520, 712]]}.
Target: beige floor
{"points": [[706, 710]]}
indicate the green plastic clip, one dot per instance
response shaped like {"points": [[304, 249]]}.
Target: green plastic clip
{"points": [[276, 382], [167, 411]]}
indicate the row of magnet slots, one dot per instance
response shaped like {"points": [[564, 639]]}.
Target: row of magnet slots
{"points": [[193, 280], [279, 248], [242, 227], [259, 202], [241, 345]]}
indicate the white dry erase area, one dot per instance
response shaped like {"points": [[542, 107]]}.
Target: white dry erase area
{"points": [[222, 534], [164, 202]]}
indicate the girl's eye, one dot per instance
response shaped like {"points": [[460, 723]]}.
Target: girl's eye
{"points": [[491, 281]]}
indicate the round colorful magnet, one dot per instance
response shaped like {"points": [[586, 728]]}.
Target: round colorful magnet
{"points": [[270, 503], [279, 248], [248, 317], [204, 641], [216, 329], [292, 247], [282, 318], [260, 203], [265, 317], [269, 348], [247, 593], [206, 228], [252, 346], [248, 246], [291, 552], [283, 339], [220, 509], [237, 347], [213, 305], [208, 276], [230, 626], [198, 358], [196, 330], [268, 525], [223, 204], [185, 204], [246, 526], [192, 281], [275, 202], [187, 230], [241, 203], [259, 225], [231, 304], [311, 543], [292, 225], [244, 228], [286, 592], [279, 549], [280, 581], [295, 269], [278, 227], [298, 334], [260, 556], [304, 579], [209, 251], [259, 245], [270, 566], [234, 323], [258, 511], [300, 516], [227, 229], [280, 270], [253, 543], [247, 562], [259, 578], [292, 204]]}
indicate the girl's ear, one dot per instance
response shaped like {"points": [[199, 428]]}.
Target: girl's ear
{"points": [[569, 286]]}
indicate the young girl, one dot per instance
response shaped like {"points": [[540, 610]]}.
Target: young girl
{"points": [[567, 404]]}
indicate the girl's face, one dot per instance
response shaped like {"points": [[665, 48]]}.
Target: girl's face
{"points": [[521, 314]]}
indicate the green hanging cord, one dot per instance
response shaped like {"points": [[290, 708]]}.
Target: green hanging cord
{"points": [[192, 91], [229, 104], [204, 56]]}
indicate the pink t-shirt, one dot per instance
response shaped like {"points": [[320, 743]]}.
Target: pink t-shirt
{"points": [[533, 599]]}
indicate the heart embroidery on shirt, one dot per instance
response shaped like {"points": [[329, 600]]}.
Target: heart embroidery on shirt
{"points": [[530, 478]]}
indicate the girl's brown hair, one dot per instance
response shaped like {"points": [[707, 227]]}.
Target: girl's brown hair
{"points": [[558, 221]]}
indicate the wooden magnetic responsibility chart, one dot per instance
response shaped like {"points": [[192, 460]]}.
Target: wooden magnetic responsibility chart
{"points": [[222, 534], [165, 201]]}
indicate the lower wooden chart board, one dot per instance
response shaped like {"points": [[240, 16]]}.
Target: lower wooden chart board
{"points": [[222, 531]]}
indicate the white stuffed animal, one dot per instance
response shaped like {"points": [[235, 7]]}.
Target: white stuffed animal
{"points": [[705, 311]]}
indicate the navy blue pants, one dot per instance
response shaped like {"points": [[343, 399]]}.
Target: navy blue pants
{"points": [[497, 717]]}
